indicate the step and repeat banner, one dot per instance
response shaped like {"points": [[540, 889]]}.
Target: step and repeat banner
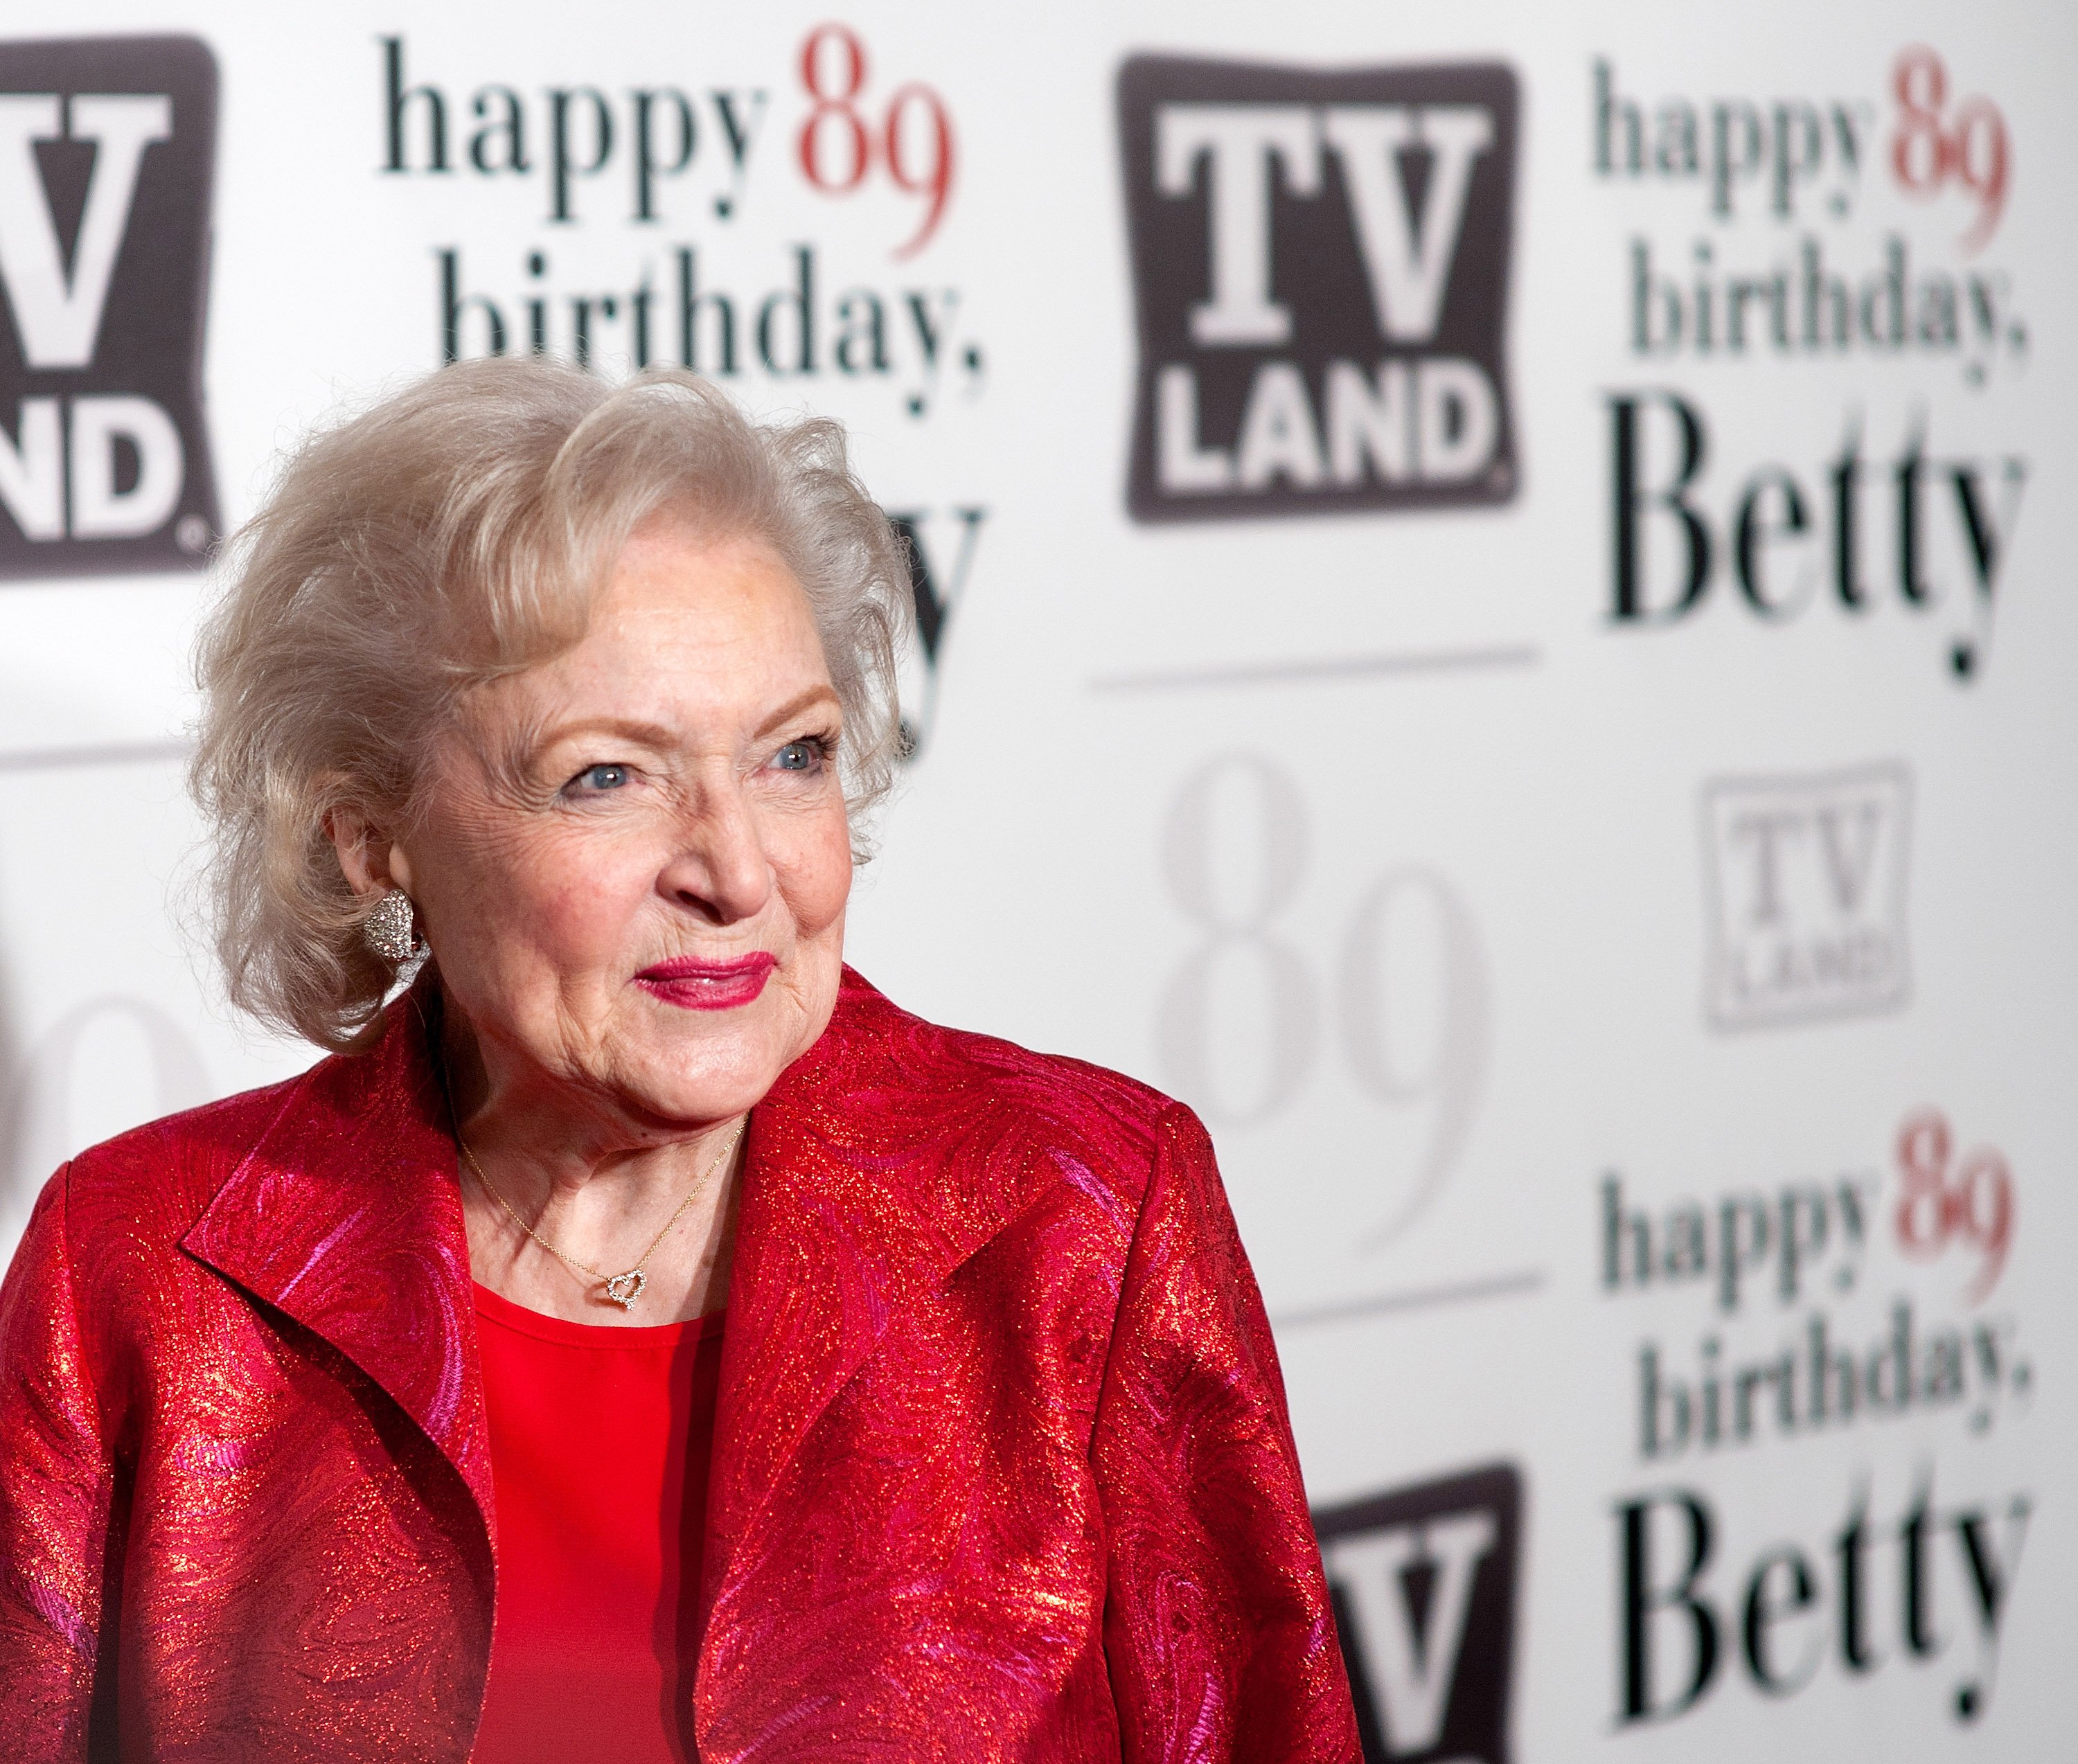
{"points": [[1495, 614]]}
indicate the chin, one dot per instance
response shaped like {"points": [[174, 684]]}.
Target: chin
{"points": [[675, 1097], [717, 1074], [702, 1064]]}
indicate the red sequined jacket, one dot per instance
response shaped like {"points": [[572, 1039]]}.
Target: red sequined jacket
{"points": [[1002, 1468]]}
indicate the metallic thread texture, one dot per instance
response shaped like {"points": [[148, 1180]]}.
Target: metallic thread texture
{"points": [[1002, 1469]]}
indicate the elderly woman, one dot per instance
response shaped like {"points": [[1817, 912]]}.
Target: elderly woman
{"points": [[640, 1340]]}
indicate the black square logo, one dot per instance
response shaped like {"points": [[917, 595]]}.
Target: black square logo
{"points": [[1320, 272], [1423, 1584], [107, 148]]}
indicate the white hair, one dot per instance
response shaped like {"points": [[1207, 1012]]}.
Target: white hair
{"points": [[460, 530]]}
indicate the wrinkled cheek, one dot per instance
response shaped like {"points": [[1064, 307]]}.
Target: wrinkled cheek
{"points": [[576, 897], [817, 899], [823, 886]]}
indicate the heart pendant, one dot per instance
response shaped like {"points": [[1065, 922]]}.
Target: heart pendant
{"points": [[624, 1289]]}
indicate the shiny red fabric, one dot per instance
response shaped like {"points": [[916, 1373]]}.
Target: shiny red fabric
{"points": [[599, 1444], [1002, 1468]]}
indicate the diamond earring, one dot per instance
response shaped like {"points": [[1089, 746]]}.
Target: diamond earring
{"points": [[391, 929]]}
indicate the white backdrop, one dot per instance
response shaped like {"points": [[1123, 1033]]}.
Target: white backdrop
{"points": [[1572, 996]]}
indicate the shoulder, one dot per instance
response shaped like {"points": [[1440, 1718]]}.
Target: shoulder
{"points": [[1034, 1101], [155, 1180], [339, 1114]]}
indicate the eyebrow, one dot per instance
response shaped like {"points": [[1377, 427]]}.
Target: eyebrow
{"points": [[627, 728], [655, 735], [799, 703]]}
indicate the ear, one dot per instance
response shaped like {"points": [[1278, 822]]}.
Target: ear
{"points": [[369, 859]]}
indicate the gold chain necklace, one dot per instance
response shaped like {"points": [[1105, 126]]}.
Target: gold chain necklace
{"points": [[624, 1289]]}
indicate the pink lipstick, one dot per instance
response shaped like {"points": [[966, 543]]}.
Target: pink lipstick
{"points": [[694, 985]]}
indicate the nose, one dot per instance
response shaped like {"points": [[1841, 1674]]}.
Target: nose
{"points": [[719, 869]]}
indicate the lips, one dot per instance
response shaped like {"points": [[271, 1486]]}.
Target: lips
{"points": [[693, 985]]}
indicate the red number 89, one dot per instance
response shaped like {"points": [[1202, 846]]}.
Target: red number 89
{"points": [[927, 172], [1977, 1208], [1926, 152]]}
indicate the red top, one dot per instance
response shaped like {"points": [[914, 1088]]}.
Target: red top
{"points": [[599, 1442]]}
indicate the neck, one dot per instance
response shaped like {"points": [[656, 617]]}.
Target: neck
{"points": [[598, 1184]]}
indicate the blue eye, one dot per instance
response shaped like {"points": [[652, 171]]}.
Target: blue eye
{"points": [[601, 777], [798, 757]]}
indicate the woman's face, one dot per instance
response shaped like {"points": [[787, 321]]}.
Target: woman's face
{"points": [[634, 868]]}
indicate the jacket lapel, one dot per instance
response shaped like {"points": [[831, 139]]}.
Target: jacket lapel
{"points": [[872, 1170], [347, 1217]]}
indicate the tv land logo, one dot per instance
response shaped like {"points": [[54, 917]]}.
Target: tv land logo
{"points": [[1806, 894], [1423, 1584], [107, 147], [1320, 272]]}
